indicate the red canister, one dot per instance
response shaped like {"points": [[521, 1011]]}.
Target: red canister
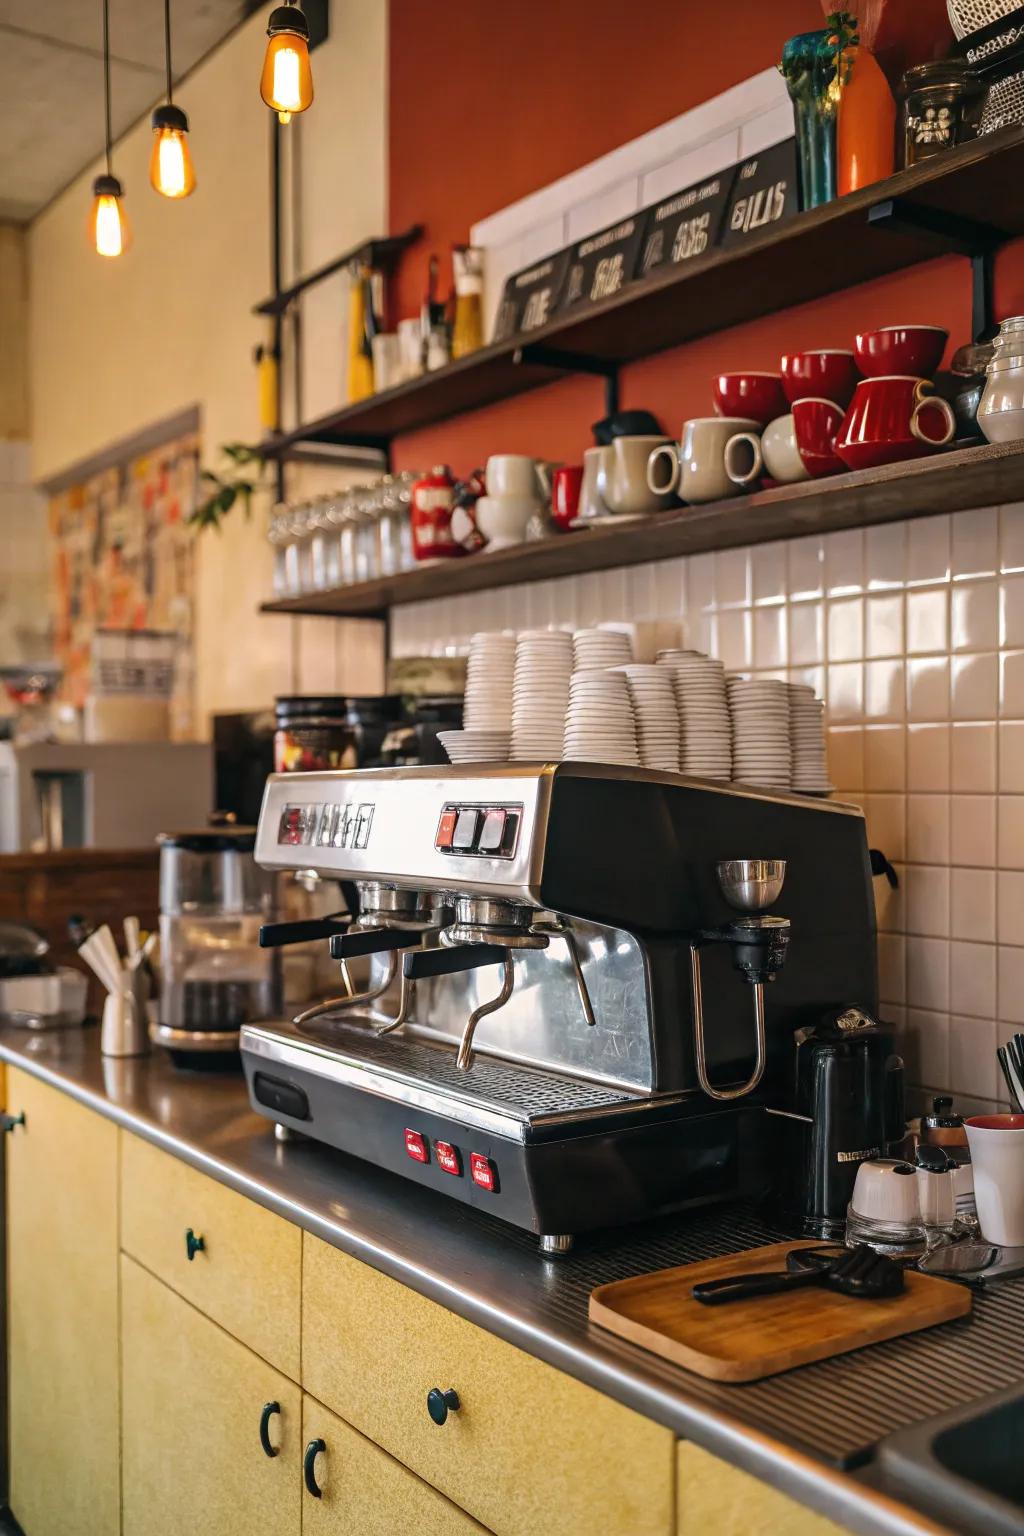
{"points": [[430, 512]]}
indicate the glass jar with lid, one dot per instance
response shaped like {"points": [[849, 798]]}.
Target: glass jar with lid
{"points": [[321, 537], [389, 528], [278, 535], [1001, 412], [404, 483], [368, 534], [347, 518]]}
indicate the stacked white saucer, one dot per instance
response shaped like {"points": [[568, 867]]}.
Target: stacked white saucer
{"points": [[807, 737], [489, 674], [705, 729], [599, 723], [657, 719], [476, 746], [760, 731], [601, 648], [540, 694]]}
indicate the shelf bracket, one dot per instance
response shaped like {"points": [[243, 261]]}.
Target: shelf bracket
{"points": [[950, 232], [573, 362]]}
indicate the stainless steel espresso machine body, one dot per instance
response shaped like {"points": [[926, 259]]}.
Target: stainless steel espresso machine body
{"points": [[574, 989]]}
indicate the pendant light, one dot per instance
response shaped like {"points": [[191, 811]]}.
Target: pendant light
{"points": [[171, 172], [287, 80], [108, 222]]}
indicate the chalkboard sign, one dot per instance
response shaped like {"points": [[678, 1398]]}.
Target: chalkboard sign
{"points": [[764, 192], [601, 264], [685, 225], [530, 297]]}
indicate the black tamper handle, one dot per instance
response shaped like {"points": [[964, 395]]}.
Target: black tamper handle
{"points": [[372, 941], [276, 935], [423, 963]]}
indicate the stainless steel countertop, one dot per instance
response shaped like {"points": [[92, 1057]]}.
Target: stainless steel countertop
{"points": [[797, 1431]]}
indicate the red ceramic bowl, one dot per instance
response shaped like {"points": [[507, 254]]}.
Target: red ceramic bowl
{"points": [[758, 396], [816, 424], [823, 374], [901, 349]]}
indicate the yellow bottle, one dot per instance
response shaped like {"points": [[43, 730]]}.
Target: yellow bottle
{"points": [[360, 359], [266, 382]]}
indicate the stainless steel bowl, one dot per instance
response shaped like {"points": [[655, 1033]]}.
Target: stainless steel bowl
{"points": [[750, 885]]}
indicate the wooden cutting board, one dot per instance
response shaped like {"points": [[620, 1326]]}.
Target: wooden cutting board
{"points": [[746, 1340]]}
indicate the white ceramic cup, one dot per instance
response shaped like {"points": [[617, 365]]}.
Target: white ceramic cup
{"points": [[503, 520], [774, 452], [622, 475], [517, 475], [591, 504], [410, 346], [997, 1156], [386, 348], [695, 468]]}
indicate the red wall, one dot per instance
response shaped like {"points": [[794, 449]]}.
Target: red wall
{"points": [[489, 103]]}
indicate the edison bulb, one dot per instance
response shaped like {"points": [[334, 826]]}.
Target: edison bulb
{"points": [[286, 84], [171, 172], [108, 223]]}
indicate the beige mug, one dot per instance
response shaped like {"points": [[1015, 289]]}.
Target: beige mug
{"points": [[694, 469], [517, 474], [622, 481], [774, 452]]}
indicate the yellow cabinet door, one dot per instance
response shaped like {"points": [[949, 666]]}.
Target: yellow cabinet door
{"points": [[192, 1403], [62, 1314], [363, 1489], [716, 1497]]}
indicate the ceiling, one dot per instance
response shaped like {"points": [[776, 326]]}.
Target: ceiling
{"points": [[51, 105]]}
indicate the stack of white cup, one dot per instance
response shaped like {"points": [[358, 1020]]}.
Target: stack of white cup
{"points": [[600, 726], [760, 726], [487, 710], [540, 694], [656, 715], [698, 682], [807, 738]]}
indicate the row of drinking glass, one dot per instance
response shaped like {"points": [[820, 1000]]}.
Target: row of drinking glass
{"points": [[343, 537]]}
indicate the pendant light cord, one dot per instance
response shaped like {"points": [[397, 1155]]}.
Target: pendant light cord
{"points": [[167, 48], [106, 76]]}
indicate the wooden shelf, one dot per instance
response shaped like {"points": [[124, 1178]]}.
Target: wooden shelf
{"points": [[947, 482], [957, 201], [380, 251]]}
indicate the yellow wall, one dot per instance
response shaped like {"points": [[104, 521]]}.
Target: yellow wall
{"points": [[117, 345]]}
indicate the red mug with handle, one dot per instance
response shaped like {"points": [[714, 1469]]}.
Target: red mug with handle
{"points": [[891, 419], [566, 483]]}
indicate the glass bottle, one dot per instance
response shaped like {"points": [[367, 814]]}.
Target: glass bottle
{"points": [[809, 68]]}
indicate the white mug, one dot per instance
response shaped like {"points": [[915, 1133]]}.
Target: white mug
{"points": [[997, 1157], [773, 452], [695, 467], [504, 520], [516, 474]]}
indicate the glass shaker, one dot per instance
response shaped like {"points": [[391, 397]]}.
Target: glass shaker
{"points": [[277, 536], [347, 519], [368, 534], [320, 537], [389, 530]]}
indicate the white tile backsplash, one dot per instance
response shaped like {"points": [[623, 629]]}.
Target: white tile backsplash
{"points": [[918, 649]]}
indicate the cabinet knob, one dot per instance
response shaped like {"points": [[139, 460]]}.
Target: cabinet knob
{"points": [[11, 1122], [266, 1414], [193, 1244], [314, 1449], [440, 1404]]}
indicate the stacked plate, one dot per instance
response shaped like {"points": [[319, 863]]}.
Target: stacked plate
{"points": [[489, 673], [807, 735], [601, 648], [657, 719], [476, 746], [599, 723], [705, 729], [540, 694], [760, 731]]}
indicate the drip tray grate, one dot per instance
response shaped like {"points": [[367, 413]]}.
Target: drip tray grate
{"points": [[526, 1094]]}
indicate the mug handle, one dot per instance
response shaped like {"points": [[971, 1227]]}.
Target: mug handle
{"points": [[739, 469], [544, 475], [670, 486], [924, 400]]}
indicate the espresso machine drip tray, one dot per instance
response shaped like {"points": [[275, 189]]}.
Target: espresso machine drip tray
{"points": [[518, 1102]]}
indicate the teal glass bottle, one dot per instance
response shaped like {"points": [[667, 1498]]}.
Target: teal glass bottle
{"points": [[809, 69]]}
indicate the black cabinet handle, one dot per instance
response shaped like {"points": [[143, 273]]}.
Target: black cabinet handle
{"points": [[440, 1404], [266, 1414], [193, 1244], [314, 1449], [11, 1122]]}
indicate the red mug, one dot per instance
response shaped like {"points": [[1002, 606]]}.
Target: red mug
{"points": [[901, 350], [816, 424], [757, 396], [892, 419], [565, 494], [823, 373]]}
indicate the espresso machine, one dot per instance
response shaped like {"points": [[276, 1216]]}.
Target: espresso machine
{"points": [[577, 1006]]}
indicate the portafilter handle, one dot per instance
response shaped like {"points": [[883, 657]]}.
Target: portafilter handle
{"points": [[276, 935], [360, 942]]}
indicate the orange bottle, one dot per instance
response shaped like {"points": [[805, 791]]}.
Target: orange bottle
{"points": [[866, 129]]}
